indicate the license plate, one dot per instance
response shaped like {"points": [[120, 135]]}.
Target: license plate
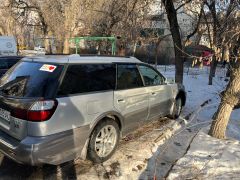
{"points": [[4, 114]]}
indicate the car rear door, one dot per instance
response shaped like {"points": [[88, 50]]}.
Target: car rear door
{"points": [[159, 92], [130, 96]]}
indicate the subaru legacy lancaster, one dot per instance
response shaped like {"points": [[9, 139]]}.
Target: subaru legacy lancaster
{"points": [[54, 109]]}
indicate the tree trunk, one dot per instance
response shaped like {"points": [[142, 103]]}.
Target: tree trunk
{"points": [[219, 125], [213, 68], [156, 52], [156, 58], [134, 47], [229, 100], [47, 44], [174, 28], [59, 47], [66, 46], [216, 39], [228, 71]]}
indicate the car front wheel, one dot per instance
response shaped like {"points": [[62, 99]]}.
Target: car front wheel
{"points": [[177, 109]]}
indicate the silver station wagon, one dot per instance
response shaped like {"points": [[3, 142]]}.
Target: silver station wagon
{"points": [[54, 109]]}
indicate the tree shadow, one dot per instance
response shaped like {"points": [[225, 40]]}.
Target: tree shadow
{"points": [[65, 171]]}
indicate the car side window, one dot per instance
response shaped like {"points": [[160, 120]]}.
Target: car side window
{"points": [[128, 77], [12, 62], [3, 64], [150, 76], [88, 78]]}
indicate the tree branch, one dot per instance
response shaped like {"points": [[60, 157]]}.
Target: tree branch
{"points": [[186, 2], [197, 26]]}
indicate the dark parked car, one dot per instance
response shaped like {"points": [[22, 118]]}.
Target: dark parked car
{"points": [[6, 62]]}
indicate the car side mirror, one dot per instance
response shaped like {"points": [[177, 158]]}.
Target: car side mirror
{"points": [[170, 80]]}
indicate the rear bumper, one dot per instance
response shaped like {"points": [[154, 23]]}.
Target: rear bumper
{"points": [[53, 149], [15, 150]]}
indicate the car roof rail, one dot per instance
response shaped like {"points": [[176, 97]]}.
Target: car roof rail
{"points": [[100, 55], [74, 55], [56, 54]]}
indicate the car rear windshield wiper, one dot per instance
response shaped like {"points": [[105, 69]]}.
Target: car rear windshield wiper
{"points": [[15, 87]]}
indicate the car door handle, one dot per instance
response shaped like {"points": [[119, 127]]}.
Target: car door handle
{"points": [[121, 100], [154, 93]]}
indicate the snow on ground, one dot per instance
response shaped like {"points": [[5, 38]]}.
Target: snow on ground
{"points": [[202, 103], [207, 157], [198, 91], [196, 84]]}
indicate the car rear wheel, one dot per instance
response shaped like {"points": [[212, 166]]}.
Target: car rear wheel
{"points": [[103, 141], [177, 109]]}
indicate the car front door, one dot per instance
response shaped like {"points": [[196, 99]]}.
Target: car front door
{"points": [[130, 96], [159, 92]]}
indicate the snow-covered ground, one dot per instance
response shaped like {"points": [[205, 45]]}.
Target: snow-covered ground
{"points": [[207, 157], [198, 91], [196, 84]]}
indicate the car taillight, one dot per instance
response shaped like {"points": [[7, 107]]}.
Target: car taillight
{"points": [[39, 111], [39, 115], [42, 110]]}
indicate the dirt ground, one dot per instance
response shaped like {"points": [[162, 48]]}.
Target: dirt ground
{"points": [[128, 162]]}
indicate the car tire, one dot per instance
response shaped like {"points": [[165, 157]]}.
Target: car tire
{"points": [[103, 141], [177, 109]]}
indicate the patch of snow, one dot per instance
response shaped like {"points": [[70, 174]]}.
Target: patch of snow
{"points": [[196, 85], [198, 91], [209, 158]]}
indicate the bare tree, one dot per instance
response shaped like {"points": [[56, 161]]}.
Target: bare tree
{"points": [[62, 18], [117, 18], [27, 17], [54, 18], [174, 28], [230, 98], [220, 12]]}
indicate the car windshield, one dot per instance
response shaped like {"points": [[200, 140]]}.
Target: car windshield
{"points": [[31, 79]]}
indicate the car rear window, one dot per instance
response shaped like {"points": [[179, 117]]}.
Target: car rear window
{"points": [[31, 79]]}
